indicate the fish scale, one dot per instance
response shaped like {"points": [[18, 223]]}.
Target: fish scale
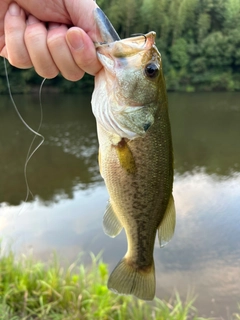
{"points": [[136, 158]]}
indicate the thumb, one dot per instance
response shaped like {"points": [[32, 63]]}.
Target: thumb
{"points": [[83, 50]]}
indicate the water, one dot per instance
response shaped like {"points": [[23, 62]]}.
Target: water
{"points": [[70, 197]]}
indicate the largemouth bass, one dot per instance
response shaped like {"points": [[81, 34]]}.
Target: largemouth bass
{"points": [[135, 155]]}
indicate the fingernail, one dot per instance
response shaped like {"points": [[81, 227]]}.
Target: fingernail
{"points": [[74, 38], [14, 9], [32, 20]]}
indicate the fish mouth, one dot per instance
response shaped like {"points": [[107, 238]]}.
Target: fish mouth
{"points": [[125, 48], [115, 54], [108, 36], [107, 61], [111, 47], [106, 29]]}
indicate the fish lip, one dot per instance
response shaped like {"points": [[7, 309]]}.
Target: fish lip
{"points": [[107, 61], [133, 40], [106, 29]]}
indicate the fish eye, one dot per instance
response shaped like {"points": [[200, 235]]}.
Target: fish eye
{"points": [[151, 70]]}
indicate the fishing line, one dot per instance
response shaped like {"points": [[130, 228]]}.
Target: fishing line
{"points": [[36, 133]]}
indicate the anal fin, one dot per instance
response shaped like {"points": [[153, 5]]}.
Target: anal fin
{"points": [[167, 225], [111, 224]]}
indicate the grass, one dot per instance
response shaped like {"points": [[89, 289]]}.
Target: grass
{"points": [[32, 290]]}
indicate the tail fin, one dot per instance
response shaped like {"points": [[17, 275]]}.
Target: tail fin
{"points": [[125, 279]]}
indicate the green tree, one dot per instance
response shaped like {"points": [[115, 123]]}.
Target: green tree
{"points": [[198, 41]]}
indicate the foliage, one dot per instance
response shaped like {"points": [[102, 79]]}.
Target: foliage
{"points": [[198, 39], [32, 290]]}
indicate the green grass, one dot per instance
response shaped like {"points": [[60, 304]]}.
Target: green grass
{"points": [[31, 290]]}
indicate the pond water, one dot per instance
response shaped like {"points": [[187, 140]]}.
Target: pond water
{"points": [[65, 214]]}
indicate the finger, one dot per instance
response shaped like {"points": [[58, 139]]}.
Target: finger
{"points": [[3, 11], [36, 43], [61, 54], [15, 25], [83, 50], [81, 14]]}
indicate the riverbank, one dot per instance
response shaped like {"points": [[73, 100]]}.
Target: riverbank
{"points": [[33, 290]]}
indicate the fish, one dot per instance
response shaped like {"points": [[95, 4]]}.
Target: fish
{"points": [[130, 105]]}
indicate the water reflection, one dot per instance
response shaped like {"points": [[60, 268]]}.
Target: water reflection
{"points": [[70, 196], [205, 252], [206, 132], [66, 161]]}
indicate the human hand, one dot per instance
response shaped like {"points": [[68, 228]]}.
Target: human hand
{"points": [[26, 40]]}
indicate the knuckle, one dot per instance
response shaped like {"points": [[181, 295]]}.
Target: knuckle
{"points": [[34, 35], [48, 73], [20, 61], [74, 76], [56, 37], [54, 41]]}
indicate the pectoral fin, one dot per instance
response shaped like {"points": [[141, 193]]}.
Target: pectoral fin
{"points": [[125, 157], [111, 224], [167, 226]]}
